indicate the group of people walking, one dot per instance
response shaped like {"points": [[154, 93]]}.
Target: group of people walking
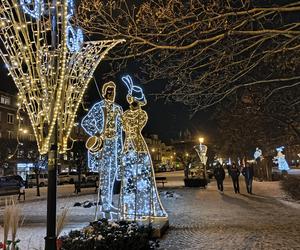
{"points": [[234, 172]]}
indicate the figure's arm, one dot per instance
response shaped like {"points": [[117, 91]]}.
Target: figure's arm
{"points": [[92, 123]]}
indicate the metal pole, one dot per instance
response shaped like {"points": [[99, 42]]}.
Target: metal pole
{"points": [[50, 239]]}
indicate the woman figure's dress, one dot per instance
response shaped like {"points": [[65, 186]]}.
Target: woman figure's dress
{"points": [[139, 197]]}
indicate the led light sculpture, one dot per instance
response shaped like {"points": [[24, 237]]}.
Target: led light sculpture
{"points": [[280, 159], [104, 120], [139, 197], [258, 154], [201, 150], [51, 81]]}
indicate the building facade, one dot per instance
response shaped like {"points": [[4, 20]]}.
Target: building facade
{"points": [[17, 142]]}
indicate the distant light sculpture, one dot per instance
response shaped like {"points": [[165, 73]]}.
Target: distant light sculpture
{"points": [[139, 196], [103, 121], [257, 154], [201, 150], [280, 159]]}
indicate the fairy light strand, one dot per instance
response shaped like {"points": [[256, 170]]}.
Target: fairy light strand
{"points": [[51, 83]]}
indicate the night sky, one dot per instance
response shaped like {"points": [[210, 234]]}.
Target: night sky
{"points": [[165, 119]]}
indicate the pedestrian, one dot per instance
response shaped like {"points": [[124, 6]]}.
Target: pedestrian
{"points": [[219, 174], [228, 166], [235, 173], [21, 189], [248, 173]]}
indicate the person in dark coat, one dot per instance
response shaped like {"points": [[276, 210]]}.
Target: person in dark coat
{"points": [[248, 173], [235, 173], [219, 174]]}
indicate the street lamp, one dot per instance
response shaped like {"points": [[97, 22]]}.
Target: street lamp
{"points": [[201, 140]]}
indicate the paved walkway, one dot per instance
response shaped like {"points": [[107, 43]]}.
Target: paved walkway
{"points": [[207, 219], [199, 218]]}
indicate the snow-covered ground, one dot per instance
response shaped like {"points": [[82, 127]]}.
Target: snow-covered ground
{"points": [[199, 218]]}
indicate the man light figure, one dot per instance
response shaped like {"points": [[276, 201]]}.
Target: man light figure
{"points": [[103, 122]]}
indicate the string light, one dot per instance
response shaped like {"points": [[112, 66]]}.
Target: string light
{"points": [[139, 196], [51, 83]]}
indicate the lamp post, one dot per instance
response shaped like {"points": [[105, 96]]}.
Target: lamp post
{"points": [[201, 140], [202, 154]]}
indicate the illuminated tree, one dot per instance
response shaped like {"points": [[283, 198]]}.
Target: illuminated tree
{"points": [[51, 67], [51, 80]]}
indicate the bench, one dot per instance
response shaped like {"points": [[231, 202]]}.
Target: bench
{"points": [[12, 190], [161, 179], [88, 184]]}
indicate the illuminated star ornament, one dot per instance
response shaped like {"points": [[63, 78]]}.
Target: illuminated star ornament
{"points": [[51, 81], [139, 196]]}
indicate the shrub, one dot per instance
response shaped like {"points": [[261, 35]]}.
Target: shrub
{"points": [[291, 185], [106, 235]]}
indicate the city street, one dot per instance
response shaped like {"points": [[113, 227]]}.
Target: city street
{"points": [[199, 218]]}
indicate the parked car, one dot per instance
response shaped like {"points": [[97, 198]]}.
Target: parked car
{"points": [[70, 178], [31, 180], [165, 168], [92, 176], [9, 184]]}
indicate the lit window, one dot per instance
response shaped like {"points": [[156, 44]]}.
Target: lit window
{"points": [[5, 100], [10, 118]]}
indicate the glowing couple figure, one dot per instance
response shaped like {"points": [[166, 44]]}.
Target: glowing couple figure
{"points": [[131, 162]]}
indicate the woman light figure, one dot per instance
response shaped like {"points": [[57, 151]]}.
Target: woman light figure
{"points": [[139, 197], [280, 160]]}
